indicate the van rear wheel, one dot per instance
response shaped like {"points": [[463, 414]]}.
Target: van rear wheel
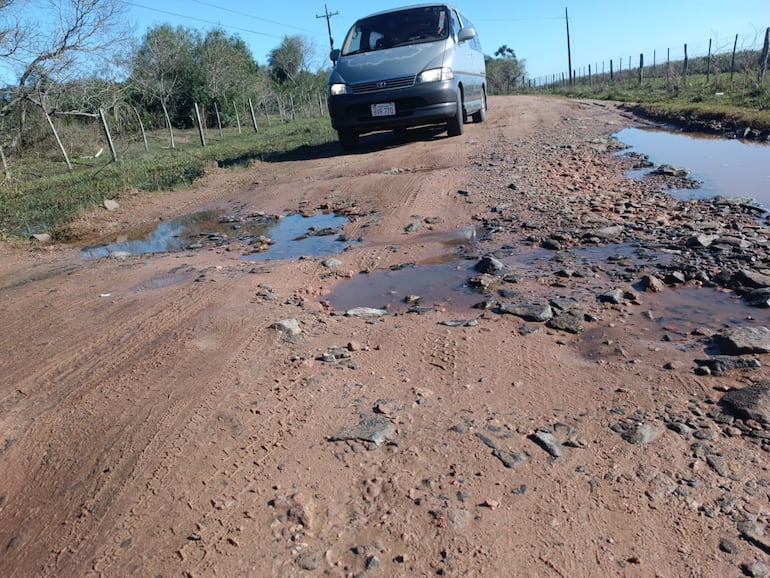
{"points": [[481, 114], [348, 139], [455, 125]]}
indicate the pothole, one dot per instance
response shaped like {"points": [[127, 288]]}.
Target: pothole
{"points": [[259, 236]]}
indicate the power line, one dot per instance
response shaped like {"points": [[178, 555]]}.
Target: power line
{"points": [[237, 13], [202, 20]]}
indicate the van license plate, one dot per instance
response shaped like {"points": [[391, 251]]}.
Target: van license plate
{"points": [[384, 109]]}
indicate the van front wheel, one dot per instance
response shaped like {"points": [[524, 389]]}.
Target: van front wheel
{"points": [[455, 126]]}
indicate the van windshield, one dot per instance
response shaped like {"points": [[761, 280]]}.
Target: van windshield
{"points": [[424, 24]]}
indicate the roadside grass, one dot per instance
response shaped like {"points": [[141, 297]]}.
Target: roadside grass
{"points": [[704, 100], [42, 194]]}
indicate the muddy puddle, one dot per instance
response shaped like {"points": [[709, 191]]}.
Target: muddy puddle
{"points": [[257, 236], [534, 275], [726, 167], [447, 282]]}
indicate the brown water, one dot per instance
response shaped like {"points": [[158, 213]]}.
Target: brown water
{"points": [[293, 235], [726, 167]]}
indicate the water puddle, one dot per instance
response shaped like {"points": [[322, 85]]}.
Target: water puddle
{"points": [[402, 288], [726, 167], [448, 284], [261, 236]]}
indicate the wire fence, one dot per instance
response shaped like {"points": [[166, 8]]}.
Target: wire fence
{"points": [[740, 63]]}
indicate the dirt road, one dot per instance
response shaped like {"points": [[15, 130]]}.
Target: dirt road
{"points": [[153, 422]]}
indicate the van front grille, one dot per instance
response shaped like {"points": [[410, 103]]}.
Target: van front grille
{"points": [[383, 85]]}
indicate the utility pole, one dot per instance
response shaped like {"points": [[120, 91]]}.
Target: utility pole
{"points": [[328, 16], [569, 52]]}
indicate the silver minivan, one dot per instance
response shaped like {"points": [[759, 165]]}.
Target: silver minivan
{"points": [[412, 66]]}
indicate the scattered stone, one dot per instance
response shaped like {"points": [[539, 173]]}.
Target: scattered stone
{"points": [[743, 340], [412, 227], [111, 205], [717, 464], [375, 429], [728, 546], [750, 278], [331, 263], [508, 458], [719, 365], [752, 402], [307, 560], [42, 238], [671, 171], [546, 440], [568, 321], [640, 433], [290, 327], [366, 312], [488, 265], [616, 297], [755, 570], [606, 233], [653, 284], [533, 312]]}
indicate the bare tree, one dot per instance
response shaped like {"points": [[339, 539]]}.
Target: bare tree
{"points": [[56, 41]]}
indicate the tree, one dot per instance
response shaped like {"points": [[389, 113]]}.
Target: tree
{"points": [[289, 59], [227, 68], [53, 42], [163, 71], [506, 72]]}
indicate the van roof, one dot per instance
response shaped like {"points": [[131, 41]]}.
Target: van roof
{"points": [[426, 5]]}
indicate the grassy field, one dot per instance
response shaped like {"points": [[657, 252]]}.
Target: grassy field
{"points": [[42, 194], [702, 102]]}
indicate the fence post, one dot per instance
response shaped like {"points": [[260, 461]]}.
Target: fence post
{"points": [[219, 118], [641, 69], [708, 65], [200, 125], [732, 61], [684, 69], [612, 74], [106, 129], [237, 117], [765, 53], [253, 116]]}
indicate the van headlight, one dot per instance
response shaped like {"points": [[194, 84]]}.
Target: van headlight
{"points": [[337, 89], [435, 74]]}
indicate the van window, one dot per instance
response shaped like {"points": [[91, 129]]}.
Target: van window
{"points": [[411, 26]]}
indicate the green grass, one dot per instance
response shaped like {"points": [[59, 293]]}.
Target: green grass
{"points": [[42, 195], [701, 101]]}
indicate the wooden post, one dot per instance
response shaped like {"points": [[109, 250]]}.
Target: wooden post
{"points": [[641, 69], [253, 116], [219, 118], [764, 57], [106, 129], [267, 113], [708, 64], [732, 61], [589, 75], [612, 74], [200, 126], [237, 117], [58, 140], [684, 68], [141, 127], [5, 165]]}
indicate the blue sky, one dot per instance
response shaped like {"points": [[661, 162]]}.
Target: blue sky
{"points": [[600, 30]]}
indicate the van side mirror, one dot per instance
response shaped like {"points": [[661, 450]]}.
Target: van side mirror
{"points": [[466, 33], [335, 54]]}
